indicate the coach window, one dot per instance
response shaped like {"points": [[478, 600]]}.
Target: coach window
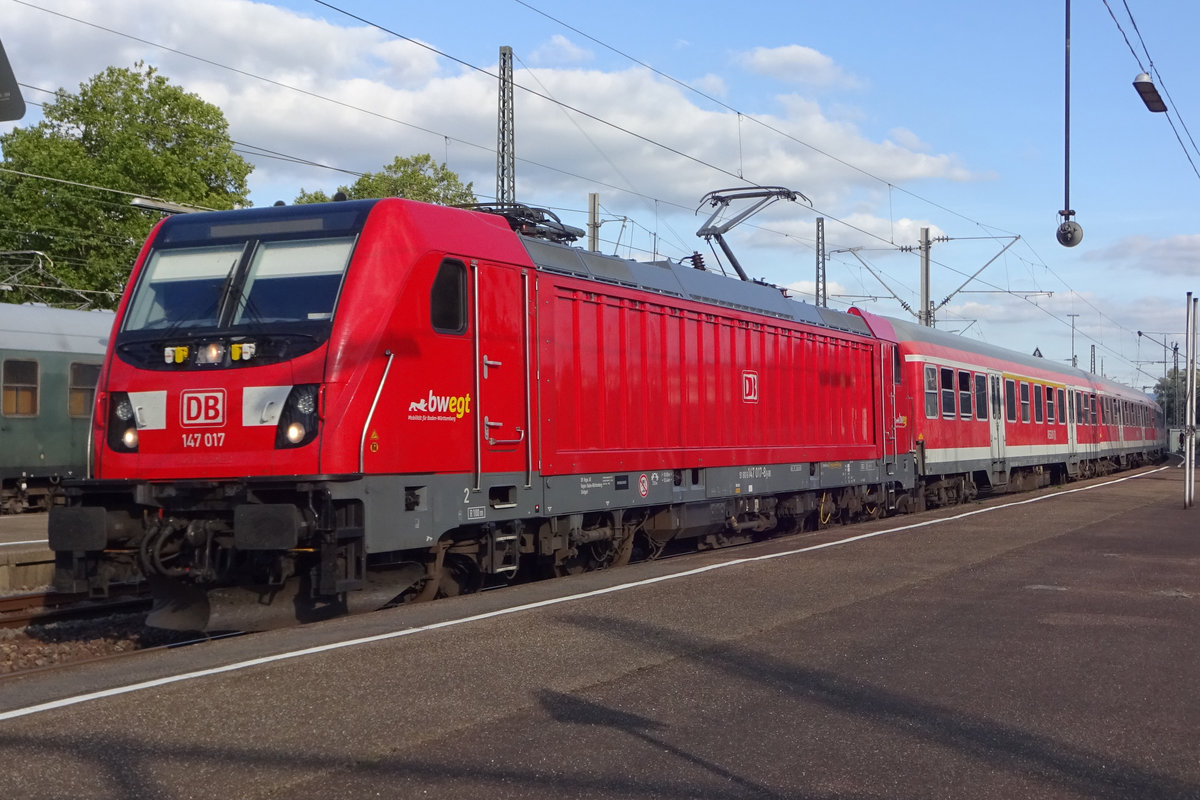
{"points": [[981, 396], [1093, 410], [1062, 407], [931, 399], [964, 395], [448, 298], [1024, 401], [1038, 400], [82, 389], [1010, 400], [20, 388], [947, 392], [1049, 405]]}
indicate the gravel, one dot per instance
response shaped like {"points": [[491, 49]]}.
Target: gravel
{"points": [[58, 643]]}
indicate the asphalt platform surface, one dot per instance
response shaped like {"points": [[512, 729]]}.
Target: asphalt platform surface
{"points": [[1039, 646]]}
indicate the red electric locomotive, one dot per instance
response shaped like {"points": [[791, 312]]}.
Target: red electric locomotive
{"points": [[312, 405], [312, 408]]}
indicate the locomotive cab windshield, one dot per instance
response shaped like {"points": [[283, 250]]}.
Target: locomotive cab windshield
{"points": [[211, 283]]}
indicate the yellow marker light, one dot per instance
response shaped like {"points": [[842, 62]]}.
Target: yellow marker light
{"points": [[242, 351], [175, 355]]}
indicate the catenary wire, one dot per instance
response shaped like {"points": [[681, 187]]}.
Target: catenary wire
{"points": [[824, 213]]}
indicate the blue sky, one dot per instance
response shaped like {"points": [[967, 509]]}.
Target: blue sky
{"points": [[889, 116]]}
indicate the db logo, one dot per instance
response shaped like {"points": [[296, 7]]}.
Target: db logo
{"points": [[203, 408], [749, 386]]}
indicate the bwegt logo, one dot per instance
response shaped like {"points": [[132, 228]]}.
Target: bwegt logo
{"points": [[202, 408], [443, 404]]}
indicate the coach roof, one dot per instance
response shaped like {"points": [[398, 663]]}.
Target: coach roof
{"points": [[46, 329]]}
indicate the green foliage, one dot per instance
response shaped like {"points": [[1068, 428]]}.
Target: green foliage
{"points": [[1171, 393], [417, 178], [126, 129]]}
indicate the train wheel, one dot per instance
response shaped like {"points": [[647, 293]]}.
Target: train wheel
{"points": [[593, 556], [460, 575]]}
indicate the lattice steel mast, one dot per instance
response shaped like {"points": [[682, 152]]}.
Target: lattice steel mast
{"points": [[506, 155]]}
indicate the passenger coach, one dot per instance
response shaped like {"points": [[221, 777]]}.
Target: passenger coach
{"points": [[989, 417], [49, 363]]}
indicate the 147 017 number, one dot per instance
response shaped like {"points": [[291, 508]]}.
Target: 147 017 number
{"points": [[203, 439]]}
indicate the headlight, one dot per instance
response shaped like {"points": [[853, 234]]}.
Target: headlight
{"points": [[299, 420], [122, 427], [122, 408], [212, 353], [295, 433]]}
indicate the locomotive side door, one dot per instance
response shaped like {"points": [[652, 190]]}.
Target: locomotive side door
{"points": [[500, 302], [996, 407]]}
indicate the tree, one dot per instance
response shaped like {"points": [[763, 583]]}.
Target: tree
{"points": [[126, 129], [417, 178], [1171, 394]]}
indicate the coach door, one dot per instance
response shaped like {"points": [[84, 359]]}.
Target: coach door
{"points": [[996, 395], [500, 305], [1072, 433]]}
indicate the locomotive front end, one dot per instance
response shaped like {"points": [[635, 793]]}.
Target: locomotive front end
{"points": [[211, 417]]}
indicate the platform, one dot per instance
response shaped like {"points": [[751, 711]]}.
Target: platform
{"points": [[26, 560], [1042, 645]]}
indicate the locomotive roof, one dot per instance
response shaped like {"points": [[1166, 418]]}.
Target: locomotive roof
{"points": [[46, 329], [675, 280]]}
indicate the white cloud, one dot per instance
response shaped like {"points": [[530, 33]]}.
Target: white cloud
{"points": [[908, 140], [559, 51], [711, 84], [797, 64], [1174, 255], [360, 97]]}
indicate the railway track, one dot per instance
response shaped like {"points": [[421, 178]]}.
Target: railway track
{"points": [[40, 608]]}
